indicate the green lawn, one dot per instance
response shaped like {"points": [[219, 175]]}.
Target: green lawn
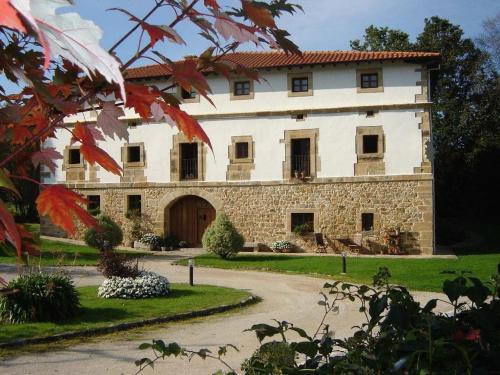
{"points": [[416, 274], [98, 312], [55, 253]]}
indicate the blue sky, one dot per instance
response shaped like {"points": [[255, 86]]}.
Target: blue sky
{"points": [[326, 24]]}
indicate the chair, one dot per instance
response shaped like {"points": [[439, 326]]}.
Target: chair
{"points": [[320, 243]]}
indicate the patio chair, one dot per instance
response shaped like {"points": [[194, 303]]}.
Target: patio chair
{"points": [[320, 243]]}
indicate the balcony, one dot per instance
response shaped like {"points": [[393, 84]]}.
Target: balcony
{"points": [[301, 166], [189, 169]]}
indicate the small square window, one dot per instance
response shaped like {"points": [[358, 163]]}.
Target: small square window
{"points": [[367, 222], [241, 150], [93, 202], [303, 222], [300, 84], [133, 154], [74, 156], [241, 88], [369, 81], [134, 204], [370, 144], [188, 94], [370, 113]]}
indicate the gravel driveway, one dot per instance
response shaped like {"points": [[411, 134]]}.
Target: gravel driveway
{"points": [[285, 297]]}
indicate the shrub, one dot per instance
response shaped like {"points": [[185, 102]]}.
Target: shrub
{"points": [[281, 246], [221, 238], [183, 244], [145, 285], [39, 297], [151, 239], [119, 265], [171, 242], [109, 235], [271, 358]]}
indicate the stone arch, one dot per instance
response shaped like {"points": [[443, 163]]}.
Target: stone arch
{"points": [[170, 198]]}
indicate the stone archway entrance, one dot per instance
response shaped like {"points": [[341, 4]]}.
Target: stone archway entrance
{"points": [[189, 218]]}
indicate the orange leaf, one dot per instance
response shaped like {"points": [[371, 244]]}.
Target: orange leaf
{"points": [[10, 17], [186, 74], [140, 98], [94, 154], [258, 14], [63, 207], [8, 228], [186, 124], [20, 134]]}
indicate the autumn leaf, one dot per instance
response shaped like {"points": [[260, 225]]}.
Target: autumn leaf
{"points": [[8, 228], [186, 74], [258, 14], [109, 123], [20, 134], [230, 29], [62, 206], [212, 4], [46, 157], [93, 154], [6, 183], [9, 17], [140, 98]]}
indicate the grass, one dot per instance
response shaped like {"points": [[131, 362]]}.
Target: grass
{"points": [[98, 312], [415, 274]]}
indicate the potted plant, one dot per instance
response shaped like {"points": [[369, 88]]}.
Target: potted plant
{"points": [[281, 246], [153, 241]]}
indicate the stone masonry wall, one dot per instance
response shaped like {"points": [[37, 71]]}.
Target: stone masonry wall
{"points": [[261, 211]]}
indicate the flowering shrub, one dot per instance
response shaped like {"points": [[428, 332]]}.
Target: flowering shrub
{"points": [[281, 246], [146, 285], [151, 239]]}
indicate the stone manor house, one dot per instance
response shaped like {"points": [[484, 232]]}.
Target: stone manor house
{"points": [[338, 140]]}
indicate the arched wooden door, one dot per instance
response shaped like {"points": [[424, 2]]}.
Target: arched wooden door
{"points": [[189, 217]]}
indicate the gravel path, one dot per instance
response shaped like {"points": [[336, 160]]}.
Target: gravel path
{"points": [[285, 297]]}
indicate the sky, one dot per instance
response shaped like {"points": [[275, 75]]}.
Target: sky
{"points": [[324, 25]]}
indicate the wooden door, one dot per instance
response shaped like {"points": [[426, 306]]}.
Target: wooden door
{"points": [[189, 217]]}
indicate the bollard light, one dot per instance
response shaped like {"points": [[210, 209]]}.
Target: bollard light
{"points": [[344, 263], [191, 271]]}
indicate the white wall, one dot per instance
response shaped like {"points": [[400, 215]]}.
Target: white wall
{"points": [[333, 88]]}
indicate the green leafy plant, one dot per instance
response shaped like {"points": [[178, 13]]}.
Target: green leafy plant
{"points": [[39, 297], [302, 229], [107, 236], [222, 238], [171, 242]]}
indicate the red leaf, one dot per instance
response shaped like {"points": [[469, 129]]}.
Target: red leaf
{"points": [[82, 133], [108, 121], [186, 74], [46, 157], [20, 134], [239, 32], [9, 17], [140, 98], [63, 207], [186, 124], [212, 4], [258, 14], [8, 228], [94, 154]]}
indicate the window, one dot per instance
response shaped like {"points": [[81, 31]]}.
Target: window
{"points": [[367, 222], [370, 113], [241, 150], [300, 117], [369, 81], [300, 84], [74, 156], [189, 161], [188, 94], [134, 204], [93, 202], [241, 88], [133, 154], [370, 144], [304, 220], [301, 166]]}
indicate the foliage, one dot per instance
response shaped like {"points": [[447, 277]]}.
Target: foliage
{"points": [[171, 242], [113, 264], [145, 285], [183, 244], [490, 38], [382, 39], [398, 336], [39, 297], [151, 239], [281, 246], [66, 72], [107, 236], [222, 238], [137, 224], [302, 229]]}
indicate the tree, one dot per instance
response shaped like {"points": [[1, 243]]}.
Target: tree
{"points": [[58, 56], [489, 40], [382, 39]]}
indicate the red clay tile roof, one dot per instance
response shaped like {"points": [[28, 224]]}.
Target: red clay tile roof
{"points": [[272, 59]]}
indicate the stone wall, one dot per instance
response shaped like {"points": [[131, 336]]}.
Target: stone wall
{"points": [[261, 211]]}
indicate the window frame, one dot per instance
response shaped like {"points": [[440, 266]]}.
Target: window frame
{"points": [[125, 155], [291, 211], [361, 132], [293, 76], [232, 89], [369, 71]]}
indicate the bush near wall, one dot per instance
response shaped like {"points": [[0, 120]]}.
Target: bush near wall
{"points": [[222, 238], [109, 235]]}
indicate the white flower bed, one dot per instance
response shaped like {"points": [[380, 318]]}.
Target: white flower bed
{"points": [[147, 284], [281, 246]]}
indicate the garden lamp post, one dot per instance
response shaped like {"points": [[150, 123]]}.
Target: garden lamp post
{"points": [[191, 271], [344, 263]]}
